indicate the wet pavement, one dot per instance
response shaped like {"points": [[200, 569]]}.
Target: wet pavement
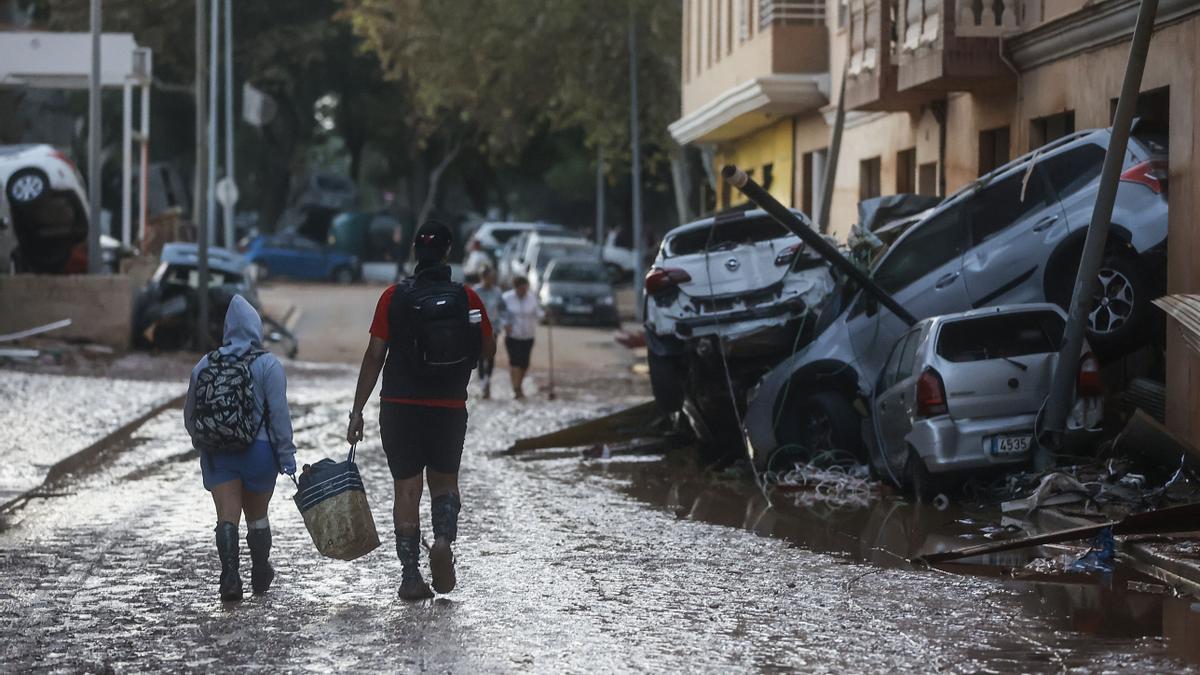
{"points": [[564, 565]]}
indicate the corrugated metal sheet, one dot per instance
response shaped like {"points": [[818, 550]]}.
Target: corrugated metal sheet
{"points": [[1185, 309]]}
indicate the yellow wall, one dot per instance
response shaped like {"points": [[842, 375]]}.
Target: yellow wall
{"points": [[769, 145]]}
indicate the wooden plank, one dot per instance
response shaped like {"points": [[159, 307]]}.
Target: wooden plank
{"points": [[621, 426]]}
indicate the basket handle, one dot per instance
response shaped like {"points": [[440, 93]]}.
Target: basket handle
{"points": [[351, 456]]}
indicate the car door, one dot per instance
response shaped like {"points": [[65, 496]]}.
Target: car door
{"points": [[1014, 223], [923, 272], [311, 260], [893, 404]]}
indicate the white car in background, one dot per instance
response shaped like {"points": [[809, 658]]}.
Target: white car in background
{"points": [[544, 249], [726, 298], [493, 236], [45, 205]]}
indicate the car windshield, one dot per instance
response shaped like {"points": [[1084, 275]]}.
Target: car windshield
{"points": [[190, 276], [1001, 336], [581, 273], [725, 235], [547, 253]]}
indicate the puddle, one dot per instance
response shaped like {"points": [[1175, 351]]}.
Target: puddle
{"points": [[1126, 605]]}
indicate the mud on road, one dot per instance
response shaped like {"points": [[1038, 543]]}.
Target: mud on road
{"points": [[564, 566]]}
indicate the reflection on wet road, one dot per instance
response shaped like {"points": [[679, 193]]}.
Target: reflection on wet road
{"points": [[564, 566]]}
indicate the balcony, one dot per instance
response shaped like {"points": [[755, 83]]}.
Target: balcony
{"points": [[776, 66], [871, 73], [951, 45]]}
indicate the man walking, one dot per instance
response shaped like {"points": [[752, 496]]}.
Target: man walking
{"points": [[520, 314], [490, 294], [427, 335]]}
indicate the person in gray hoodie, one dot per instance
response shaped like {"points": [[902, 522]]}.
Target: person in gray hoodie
{"points": [[243, 482]]}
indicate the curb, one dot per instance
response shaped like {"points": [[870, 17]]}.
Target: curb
{"points": [[74, 461]]}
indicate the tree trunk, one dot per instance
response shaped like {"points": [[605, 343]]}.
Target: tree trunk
{"points": [[435, 177]]}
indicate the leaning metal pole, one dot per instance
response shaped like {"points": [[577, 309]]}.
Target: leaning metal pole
{"points": [[831, 161], [94, 260], [1065, 372], [201, 168], [763, 199]]}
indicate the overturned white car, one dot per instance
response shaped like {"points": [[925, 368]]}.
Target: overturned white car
{"points": [[727, 297]]}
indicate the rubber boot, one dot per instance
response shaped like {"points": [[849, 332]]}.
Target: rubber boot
{"points": [[444, 514], [262, 573], [227, 549], [412, 584]]}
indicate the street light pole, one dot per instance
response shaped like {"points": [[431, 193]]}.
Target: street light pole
{"points": [[636, 168], [198, 210], [229, 174], [600, 201], [213, 92], [93, 249]]}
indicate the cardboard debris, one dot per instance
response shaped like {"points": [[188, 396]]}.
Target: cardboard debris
{"points": [[1185, 309]]}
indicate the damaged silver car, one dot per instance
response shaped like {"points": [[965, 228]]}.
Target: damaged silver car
{"points": [[961, 394], [726, 298]]}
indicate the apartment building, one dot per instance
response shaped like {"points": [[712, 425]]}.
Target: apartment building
{"points": [[938, 92]]}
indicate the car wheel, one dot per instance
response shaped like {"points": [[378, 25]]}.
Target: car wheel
{"points": [[1118, 320], [27, 186], [824, 422], [343, 275], [666, 382], [261, 271]]}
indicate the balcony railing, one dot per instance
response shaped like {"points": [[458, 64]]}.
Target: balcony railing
{"points": [[790, 11], [865, 16], [986, 18]]}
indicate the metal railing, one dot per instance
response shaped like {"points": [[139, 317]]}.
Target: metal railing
{"points": [[790, 11]]}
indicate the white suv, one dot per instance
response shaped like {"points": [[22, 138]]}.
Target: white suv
{"points": [[739, 284], [45, 207]]}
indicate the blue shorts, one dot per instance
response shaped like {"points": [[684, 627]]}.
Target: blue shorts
{"points": [[256, 468]]}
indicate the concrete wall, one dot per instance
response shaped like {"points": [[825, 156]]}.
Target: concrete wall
{"points": [[100, 307]]}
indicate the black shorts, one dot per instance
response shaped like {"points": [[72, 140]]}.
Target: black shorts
{"points": [[416, 437], [518, 351]]}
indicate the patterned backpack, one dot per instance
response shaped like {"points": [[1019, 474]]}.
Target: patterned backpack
{"points": [[226, 420]]}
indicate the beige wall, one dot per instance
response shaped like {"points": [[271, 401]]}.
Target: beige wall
{"points": [[100, 307], [769, 145], [779, 49]]}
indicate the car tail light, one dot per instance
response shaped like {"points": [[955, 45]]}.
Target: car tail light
{"points": [[63, 158], [931, 394], [660, 279], [1152, 173], [787, 255], [1089, 383]]}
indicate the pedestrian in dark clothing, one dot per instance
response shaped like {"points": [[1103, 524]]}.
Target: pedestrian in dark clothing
{"points": [[427, 336], [240, 478]]}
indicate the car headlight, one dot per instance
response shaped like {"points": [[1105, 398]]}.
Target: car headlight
{"points": [[607, 301], [554, 300]]}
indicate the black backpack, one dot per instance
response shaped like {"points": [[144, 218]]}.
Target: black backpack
{"points": [[226, 419], [435, 336]]}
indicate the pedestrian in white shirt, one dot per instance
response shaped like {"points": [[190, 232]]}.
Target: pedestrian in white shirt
{"points": [[519, 315]]}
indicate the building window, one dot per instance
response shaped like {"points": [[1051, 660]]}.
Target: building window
{"points": [[1050, 128], [906, 171], [868, 178], [927, 179], [993, 149]]}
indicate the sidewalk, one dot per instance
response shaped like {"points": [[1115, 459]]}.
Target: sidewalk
{"points": [[48, 423]]}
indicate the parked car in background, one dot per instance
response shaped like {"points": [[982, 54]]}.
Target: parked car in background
{"points": [[739, 285], [544, 249], [166, 310], [46, 207], [1014, 236], [371, 236], [960, 394], [493, 235], [288, 254], [579, 291]]}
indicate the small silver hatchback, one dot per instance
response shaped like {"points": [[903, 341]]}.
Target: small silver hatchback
{"points": [[960, 393]]}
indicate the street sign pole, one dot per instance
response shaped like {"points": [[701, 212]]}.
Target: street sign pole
{"points": [[214, 91], [600, 202], [201, 217], [636, 168], [93, 249]]}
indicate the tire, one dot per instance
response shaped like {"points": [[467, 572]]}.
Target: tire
{"points": [[666, 382], [917, 479], [824, 421], [27, 186], [1120, 317]]}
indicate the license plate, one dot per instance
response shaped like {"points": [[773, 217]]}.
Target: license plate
{"points": [[1004, 446], [579, 309]]}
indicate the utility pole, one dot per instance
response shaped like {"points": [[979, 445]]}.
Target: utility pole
{"points": [[831, 161], [199, 202], [229, 174], [93, 248], [214, 92], [636, 168], [600, 201], [1066, 370]]}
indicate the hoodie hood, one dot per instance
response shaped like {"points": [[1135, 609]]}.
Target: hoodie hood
{"points": [[243, 327]]}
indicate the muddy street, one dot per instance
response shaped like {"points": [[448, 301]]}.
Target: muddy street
{"points": [[563, 565]]}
